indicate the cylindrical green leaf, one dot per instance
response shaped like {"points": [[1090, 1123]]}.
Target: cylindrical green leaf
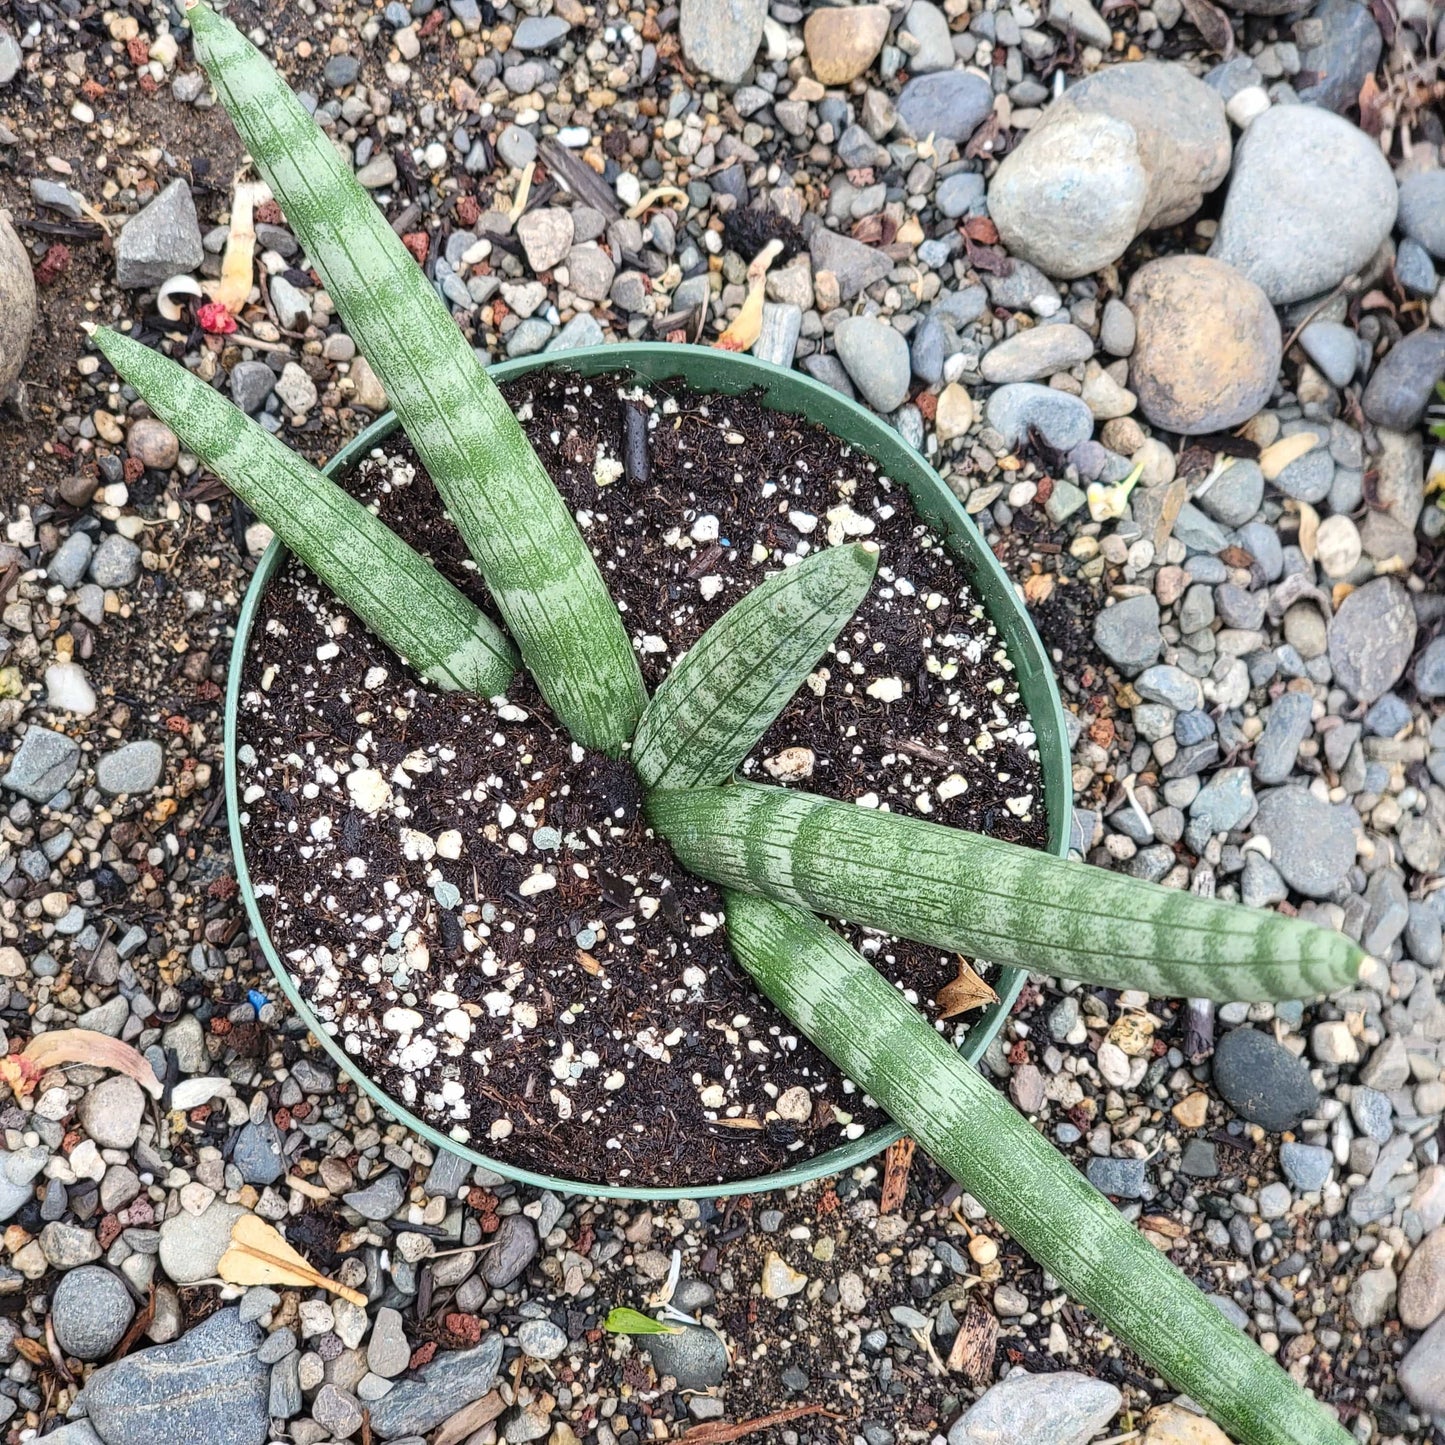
{"points": [[995, 900], [400, 596], [884, 1045], [535, 562], [725, 693]]}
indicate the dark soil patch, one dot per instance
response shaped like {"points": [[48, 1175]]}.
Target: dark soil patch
{"points": [[490, 926]]}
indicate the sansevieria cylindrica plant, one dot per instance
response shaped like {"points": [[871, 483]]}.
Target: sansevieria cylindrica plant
{"points": [[782, 856]]}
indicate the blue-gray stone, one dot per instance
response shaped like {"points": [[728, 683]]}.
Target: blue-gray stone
{"points": [[1308, 478], [251, 382], [950, 104], [1306, 1166], [1387, 715], [1373, 1113], [71, 558], [1334, 348], [1194, 726], [1422, 210], [1235, 494], [1262, 543], [91, 1309], [1123, 1178], [257, 1152], [582, 330], [206, 1388], [1404, 381], [1199, 532], [134, 768], [696, 1358], [1347, 52], [341, 71], [1287, 726], [440, 1389], [1371, 638], [1414, 269], [1223, 803], [1312, 842], [1200, 1160], [1171, 686], [164, 240], [380, 1199], [959, 193], [1063, 421], [539, 32], [1260, 886], [1128, 633], [1262, 1081], [42, 765]]}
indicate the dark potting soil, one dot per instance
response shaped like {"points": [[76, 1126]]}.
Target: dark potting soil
{"points": [[474, 906]]}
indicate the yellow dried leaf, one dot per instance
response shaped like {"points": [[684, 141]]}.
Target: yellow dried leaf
{"points": [[1278, 455], [258, 1255], [238, 262], [745, 328], [967, 991], [1039, 587], [656, 194], [743, 1123], [1309, 531], [76, 1046]]}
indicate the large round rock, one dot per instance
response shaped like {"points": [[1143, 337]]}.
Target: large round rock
{"points": [[1262, 1081], [1310, 200], [17, 311], [1208, 346], [90, 1310], [1312, 843], [1130, 148]]}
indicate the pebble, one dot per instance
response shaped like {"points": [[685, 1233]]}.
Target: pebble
{"points": [[1312, 842], [1129, 148], [950, 104], [1208, 348], [293, 309], [1062, 420], [1347, 51], [1422, 210], [540, 32], [546, 236], [191, 1245], [1310, 200], [295, 389], [251, 382], [257, 1152], [1371, 638], [438, 1390], [1065, 1408], [1262, 1081], [1422, 1372], [720, 37], [134, 768], [161, 241], [1403, 384], [116, 562], [381, 1198], [876, 359], [1334, 348], [91, 1310], [67, 565], [1128, 633], [1306, 1166], [111, 1112], [695, 1357], [1288, 725], [1122, 1178], [780, 1279], [843, 42], [206, 1386], [68, 690], [1037, 352], [1422, 1283], [514, 1247]]}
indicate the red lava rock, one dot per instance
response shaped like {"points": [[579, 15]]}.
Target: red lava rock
{"points": [[417, 242], [52, 264], [469, 211], [138, 50], [465, 1329], [422, 1355]]}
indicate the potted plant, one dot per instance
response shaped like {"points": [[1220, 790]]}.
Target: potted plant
{"points": [[591, 738]]}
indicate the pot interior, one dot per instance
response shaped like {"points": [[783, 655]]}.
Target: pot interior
{"points": [[715, 372]]}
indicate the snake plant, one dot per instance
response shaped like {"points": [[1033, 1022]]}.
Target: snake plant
{"points": [[777, 853]]}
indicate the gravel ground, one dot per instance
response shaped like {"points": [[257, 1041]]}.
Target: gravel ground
{"points": [[1050, 267]]}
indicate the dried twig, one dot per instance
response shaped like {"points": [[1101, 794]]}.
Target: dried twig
{"points": [[720, 1433]]}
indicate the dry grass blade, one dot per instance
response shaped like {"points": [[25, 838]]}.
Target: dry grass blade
{"points": [[258, 1255], [470, 1419], [23, 1071], [967, 991], [718, 1433], [974, 1345]]}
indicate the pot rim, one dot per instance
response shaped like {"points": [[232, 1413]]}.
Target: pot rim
{"points": [[708, 370]]}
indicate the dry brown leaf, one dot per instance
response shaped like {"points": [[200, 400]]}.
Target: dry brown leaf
{"points": [[1213, 24], [23, 1071], [897, 1161], [1039, 588], [743, 1123], [587, 963], [745, 328], [258, 1255], [967, 991]]}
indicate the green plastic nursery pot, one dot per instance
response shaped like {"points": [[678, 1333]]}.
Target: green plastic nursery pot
{"points": [[728, 373]]}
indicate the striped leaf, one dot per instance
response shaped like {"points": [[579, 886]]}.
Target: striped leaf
{"points": [[400, 596], [723, 696], [535, 562], [993, 900], [886, 1047]]}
